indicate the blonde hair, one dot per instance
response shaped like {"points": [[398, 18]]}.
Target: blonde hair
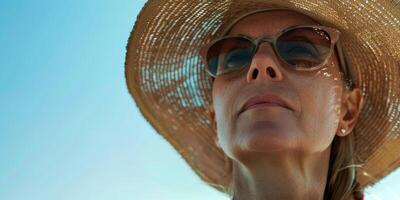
{"points": [[342, 181]]}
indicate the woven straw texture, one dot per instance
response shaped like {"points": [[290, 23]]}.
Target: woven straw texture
{"points": [[166, 76]]}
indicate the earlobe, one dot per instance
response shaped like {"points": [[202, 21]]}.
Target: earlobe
{"points": [[352, 106], [211, 114], [217, 143]]}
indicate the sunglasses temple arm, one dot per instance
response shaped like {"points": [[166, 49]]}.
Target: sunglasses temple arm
{"points": [[344, 65]]}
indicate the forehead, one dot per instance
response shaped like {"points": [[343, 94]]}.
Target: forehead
{"points": [[270, 22]]}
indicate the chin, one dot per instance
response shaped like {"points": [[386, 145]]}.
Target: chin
{"points": [[265, 137]]}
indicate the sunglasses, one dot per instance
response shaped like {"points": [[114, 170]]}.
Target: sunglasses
{"points": [[300, 47]]}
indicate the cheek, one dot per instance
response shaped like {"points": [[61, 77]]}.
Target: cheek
{"points": [[225, 109], [321, 102], [221, 94]]}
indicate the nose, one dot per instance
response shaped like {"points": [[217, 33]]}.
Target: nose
{"points": [[264, 66]]}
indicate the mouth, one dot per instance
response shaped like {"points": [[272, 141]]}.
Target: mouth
{"points": [[264, 100]]}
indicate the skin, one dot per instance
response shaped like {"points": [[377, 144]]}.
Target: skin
{"points": [[280, 153]]}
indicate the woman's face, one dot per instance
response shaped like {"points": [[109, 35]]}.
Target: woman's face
{"points": [[314, 98]]}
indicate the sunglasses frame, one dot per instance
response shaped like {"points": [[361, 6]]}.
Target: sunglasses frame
{"points": [[272, 40]]}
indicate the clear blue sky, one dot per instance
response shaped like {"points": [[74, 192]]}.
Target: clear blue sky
{"points": [[68, 127]]}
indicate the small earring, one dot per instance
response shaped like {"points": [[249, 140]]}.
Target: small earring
{"points": [[343, 130], [217, 144]]}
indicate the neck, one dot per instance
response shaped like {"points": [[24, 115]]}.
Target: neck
{"points": [[288, 175]]}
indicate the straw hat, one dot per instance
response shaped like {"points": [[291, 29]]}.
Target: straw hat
{"points": [[167, 79]]}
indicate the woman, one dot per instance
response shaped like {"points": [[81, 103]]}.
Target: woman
{"points": [[280, 152], [273, 118]]}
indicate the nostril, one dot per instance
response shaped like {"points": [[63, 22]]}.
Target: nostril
{"points": [[255, 73], [271, 72]]}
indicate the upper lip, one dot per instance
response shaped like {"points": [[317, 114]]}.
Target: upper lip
{"points": [[264, 98]]}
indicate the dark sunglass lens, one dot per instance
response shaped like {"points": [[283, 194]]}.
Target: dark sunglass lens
{"points": [[229, 54], [304, 47]]}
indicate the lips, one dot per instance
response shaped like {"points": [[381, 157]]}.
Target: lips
{"points": [[264, 99]]}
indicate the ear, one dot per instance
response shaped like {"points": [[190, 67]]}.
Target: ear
{"points": [[351, 107], [211, 114]]}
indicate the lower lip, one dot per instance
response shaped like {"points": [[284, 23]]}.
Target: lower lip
{"points": [[260, 105]]}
